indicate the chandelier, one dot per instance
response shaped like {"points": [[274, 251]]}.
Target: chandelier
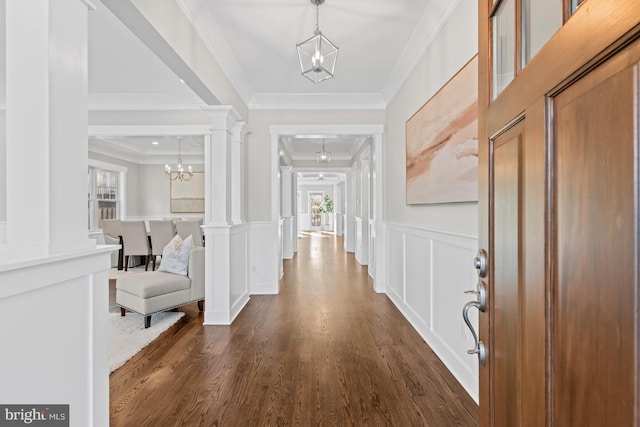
{"points": [[323, 156], [179, 173], [317, 55]]}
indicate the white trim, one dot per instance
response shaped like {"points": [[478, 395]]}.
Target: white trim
{"points": [[374, 130], [3, 232], [417, 229], [417, 45], [223, 55], [309, 193], [108, 166], [90, 5], [414, 282], [149, 159], [311, 101], [149, 130], [122, 187], [367, 129], [118, 105]]}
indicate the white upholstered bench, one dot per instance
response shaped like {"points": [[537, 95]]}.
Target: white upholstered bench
{"points": [[151, 292]]}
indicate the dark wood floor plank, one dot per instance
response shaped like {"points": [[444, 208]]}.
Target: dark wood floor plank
{"points": [[326, 351]]}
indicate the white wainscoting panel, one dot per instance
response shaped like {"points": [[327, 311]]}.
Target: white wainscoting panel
{"points": [[239, 289], [3, 232], [54, 353], [349, 233], [427, 274], [304, 222], [288, 235], [263, 258], [372, 248], [395, 263], [418, 273]]}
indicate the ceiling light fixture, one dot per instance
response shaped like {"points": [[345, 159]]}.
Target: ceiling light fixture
{"points": [[323, 156], [180, 173], [317, 55]]}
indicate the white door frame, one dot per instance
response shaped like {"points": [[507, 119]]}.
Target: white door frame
{"points": [[376, 131]]}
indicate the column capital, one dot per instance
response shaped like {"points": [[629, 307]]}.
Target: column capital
{"points": [[223, 117], [240, 130]]}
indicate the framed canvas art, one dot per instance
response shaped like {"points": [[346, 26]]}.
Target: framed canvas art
{"points": [[442, 143]]}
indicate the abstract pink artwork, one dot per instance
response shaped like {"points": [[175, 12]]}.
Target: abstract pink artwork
{"points": [[442, 143]]}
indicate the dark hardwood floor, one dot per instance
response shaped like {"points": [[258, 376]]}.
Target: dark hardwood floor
{"points": [[326, 351]]}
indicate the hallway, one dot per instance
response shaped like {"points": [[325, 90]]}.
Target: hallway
{"points": [[326, 351]]}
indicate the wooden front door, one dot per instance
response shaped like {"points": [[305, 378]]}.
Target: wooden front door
{"points": [[559, 214]]}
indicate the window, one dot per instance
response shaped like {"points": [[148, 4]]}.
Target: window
{"points": [[105, 189]]}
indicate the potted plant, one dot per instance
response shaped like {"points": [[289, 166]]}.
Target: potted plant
{"points": [[326, 207]]}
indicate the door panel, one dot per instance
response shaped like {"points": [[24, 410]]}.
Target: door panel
{"points": [[506, 366], [559, 212], [594, 333]]}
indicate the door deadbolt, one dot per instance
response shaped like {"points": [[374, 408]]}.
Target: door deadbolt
{"points": [[480, 263]]}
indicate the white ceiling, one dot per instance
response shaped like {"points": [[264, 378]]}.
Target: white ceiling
{"points": [[254, 42]]}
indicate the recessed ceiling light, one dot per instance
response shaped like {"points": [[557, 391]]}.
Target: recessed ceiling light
{"points": [[182, 80], [155, 143]]}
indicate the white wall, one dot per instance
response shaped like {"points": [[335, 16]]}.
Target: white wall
{"points": [[454, 46], [155, 191], [3, 172], [259, 144], [430, 247], [148, 190]]}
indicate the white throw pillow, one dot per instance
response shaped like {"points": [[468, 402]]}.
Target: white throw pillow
{"points": [[175, 256]]}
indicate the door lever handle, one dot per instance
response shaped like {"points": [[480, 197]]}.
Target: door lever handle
{"points": [[481, 296], [479, 347]]}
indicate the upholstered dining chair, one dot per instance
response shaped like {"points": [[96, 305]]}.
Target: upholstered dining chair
{"points": [[135, 242], [185, 228], [112, 230], [161, 231]]}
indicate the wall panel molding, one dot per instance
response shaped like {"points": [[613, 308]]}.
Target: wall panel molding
{"points": [[427, 274]]}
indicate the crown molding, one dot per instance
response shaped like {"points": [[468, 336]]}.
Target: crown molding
{"points": [[143, 101], [90, 5], [148, 159], [317, 101], [434, 18], [222, 53], [147, 130]]}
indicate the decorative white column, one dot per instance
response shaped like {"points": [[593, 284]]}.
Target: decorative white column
{"points": [[294, 211], [48, 264], [337, 208], [226, 269], [380, 245], [350, 211], [238, 184], [286, 215], [362, 221], [47, 123]]}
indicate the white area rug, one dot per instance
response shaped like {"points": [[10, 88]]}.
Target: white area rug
{"points": [[127, 335]]}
